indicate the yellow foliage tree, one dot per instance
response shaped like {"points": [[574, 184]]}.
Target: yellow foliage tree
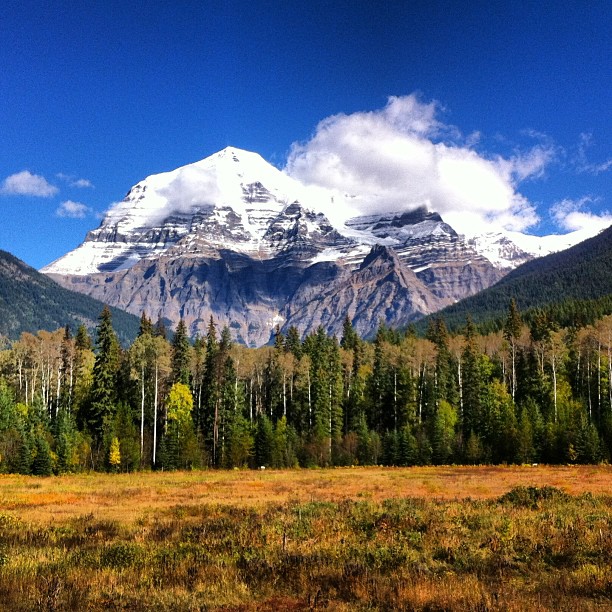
{"points": [[114, 454]]}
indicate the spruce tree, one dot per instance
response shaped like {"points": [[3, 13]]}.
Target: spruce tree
{"points": [[82, 339], [67, 370], [180, 354], [240, 441], [349, 335], [209, 420], [41, 465], [443, 435], [104, 385], [293, 343], [22, 460], [264, 441], [67, 441], [445, 384], [160, 330], [146, 326]]}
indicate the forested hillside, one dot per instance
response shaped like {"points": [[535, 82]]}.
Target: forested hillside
{"points": [[30, 301], [566, 283], [524, 394]]}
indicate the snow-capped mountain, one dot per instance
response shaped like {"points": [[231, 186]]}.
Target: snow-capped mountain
{"points": [[235, 237], [228, 200], [507, 250]]}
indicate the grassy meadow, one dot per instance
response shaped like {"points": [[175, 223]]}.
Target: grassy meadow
{"points": [[445, 538]]}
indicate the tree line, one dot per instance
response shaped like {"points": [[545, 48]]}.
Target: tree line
{"points": [[526, 393]]}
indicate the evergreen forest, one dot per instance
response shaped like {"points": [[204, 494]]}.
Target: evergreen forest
{"points": [[31, 301], [529, 392]]}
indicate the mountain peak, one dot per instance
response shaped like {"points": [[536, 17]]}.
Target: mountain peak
{"points": [[379, 253], [236, 155]]}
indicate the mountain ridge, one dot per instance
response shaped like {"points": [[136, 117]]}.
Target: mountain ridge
{"points": [[582, 272], [31, 301], [266, 251]]}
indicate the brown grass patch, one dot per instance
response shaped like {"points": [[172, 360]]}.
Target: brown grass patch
{"points": [[126, 497]]}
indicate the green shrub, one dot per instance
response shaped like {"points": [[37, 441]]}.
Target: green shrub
{"points": [[532, 497]]}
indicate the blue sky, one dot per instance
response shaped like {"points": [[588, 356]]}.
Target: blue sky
{"points": [[96, 96]]}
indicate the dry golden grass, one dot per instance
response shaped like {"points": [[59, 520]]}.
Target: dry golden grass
{"points": [[126, 497], [415, 539]]}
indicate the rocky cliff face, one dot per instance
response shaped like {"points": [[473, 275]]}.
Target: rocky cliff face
{"points": [[235, 238], [253, 296]]}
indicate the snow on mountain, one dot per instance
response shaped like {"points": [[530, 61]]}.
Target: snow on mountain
{"points": [[235, 200], [507, 250], [235, 238], [232, 198]]}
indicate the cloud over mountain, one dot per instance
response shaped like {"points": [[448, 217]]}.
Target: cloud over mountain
{"points": [[403, 156], [571, 215]]}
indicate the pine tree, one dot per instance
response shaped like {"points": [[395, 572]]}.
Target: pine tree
{"points": [[180, 354], [104, 387], [41, 465], [146, 326], [293, 344], [82, 339]]}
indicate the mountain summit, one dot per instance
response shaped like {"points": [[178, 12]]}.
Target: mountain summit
{"points": [[234, 237], [230, 200]]}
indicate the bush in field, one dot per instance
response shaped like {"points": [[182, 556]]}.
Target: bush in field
{"points": [[532, 497]]}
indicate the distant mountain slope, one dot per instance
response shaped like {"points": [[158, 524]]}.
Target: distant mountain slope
{"points": [[582, 272], [31, 301]]}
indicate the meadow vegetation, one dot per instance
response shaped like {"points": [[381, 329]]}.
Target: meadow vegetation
{"points": [[460, 538]]}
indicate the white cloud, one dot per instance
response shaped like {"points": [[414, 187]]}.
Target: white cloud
{"points": [[27, 184], [531, 163], [571, 215], [403, 156], [82, 183], [73, 181], [582, 162], [73, 210]]}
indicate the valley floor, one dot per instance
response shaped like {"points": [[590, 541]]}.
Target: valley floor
{"points": [[445, 538]]}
